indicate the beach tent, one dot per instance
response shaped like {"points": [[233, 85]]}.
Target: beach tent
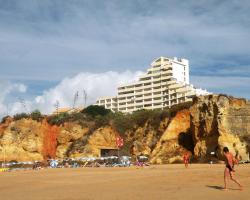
{"points": [[53, 163]]}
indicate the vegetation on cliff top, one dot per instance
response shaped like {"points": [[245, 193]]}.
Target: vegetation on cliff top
{"points": [[99, 116], [94, 117], [35, 115]]}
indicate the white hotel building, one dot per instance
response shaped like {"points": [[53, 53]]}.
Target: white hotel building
{"points": [[165, 84]]}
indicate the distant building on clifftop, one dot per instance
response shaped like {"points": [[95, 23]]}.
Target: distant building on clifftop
{"points": [[165, 84]]}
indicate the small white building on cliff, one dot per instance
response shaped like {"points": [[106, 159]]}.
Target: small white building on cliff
{"points": [[165, 84]]}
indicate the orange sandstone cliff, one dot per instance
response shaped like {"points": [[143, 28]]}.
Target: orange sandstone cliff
{"points": [[212, 122]]}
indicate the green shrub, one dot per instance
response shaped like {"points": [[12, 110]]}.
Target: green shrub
{"points": [[157, 116], [36, 115], [140, 117], [59, 119], [101, 121], [95, 110], [77, 116], [122, 122], [20, 116]]}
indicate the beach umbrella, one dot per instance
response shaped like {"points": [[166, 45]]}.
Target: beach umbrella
{"points": [[54, 163]]}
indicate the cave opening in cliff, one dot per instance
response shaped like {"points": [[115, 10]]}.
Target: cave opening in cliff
{"points": [[108, 152], [186, 140]]}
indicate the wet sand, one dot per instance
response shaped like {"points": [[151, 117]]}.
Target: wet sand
{"points": [[152, 183]]}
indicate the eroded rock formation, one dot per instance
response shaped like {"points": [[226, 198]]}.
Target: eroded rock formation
{"points": [[218, 121], [211, 123], [175, 140], [22, 140]]}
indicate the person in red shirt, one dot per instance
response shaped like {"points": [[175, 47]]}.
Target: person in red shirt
{"points": [[229, 169], [186, 159]]}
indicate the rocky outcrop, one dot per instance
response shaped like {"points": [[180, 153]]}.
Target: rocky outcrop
{"points": [[22, 140], [143, 139], [69, 134], [212, 122], [218, 121], [174, 141], [91, 144]]}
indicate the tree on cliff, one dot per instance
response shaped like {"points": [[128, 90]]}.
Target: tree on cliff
{"points": [[19, 116], [95, 110], [36, 115]]}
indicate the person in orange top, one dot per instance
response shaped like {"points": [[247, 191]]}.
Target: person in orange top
{"points": [[229, 169], [186, 159]]}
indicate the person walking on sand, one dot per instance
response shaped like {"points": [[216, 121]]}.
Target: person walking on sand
{"points": [[229, 169], [186, 159]]}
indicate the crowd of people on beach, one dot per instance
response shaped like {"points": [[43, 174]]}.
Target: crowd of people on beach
{"points": [[110, 161]]}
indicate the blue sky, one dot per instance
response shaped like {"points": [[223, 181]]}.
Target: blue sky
{"points": [[44, 42]]}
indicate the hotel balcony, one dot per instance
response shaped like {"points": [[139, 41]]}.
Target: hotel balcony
{"points": [[156, 95], [138, 87], [158, 101], [125, 95], [167, 72], [147, 90], [157, 88], [156, 80], [139, 107], [122, 101], [182, 89], [157, 106], [148, 102], [122, 106], [139, 93], [174, 86], [165, 78], [146, 81], [139, 98], [147, 86], [145, 75], [147, 95], [139, 103], [148, 106]]}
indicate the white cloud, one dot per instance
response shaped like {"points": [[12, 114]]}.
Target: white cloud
{"points": [[7, 88], [95, 85]]}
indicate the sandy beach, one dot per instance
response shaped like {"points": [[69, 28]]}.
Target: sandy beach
{"points": [[154, 182]]}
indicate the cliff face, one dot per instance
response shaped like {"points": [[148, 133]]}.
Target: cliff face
{"points": [[21, 140], [29, 140], [89, 144], [144, 139], [174, 141], [211, 123], [218, 121]]}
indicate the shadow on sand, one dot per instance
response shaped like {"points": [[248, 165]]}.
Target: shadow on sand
{"points": [[215, 187], [220, 188]]}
